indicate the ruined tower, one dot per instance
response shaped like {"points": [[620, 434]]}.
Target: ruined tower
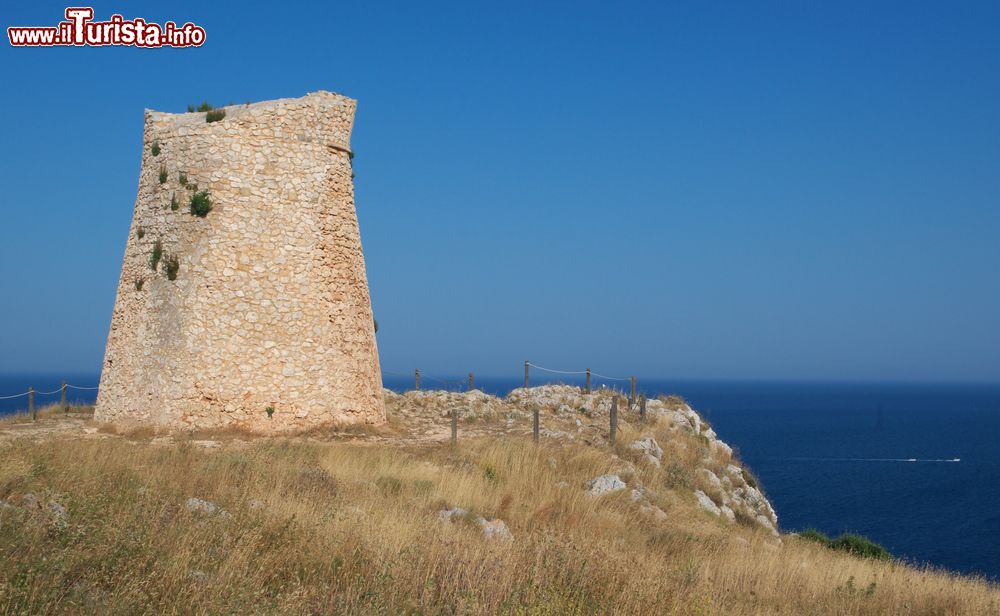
{"points": [[256, 312]]}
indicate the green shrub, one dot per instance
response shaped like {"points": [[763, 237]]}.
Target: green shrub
{"points": [[389, 486], [490, 472], [422, 486], [156, 148], [848, 542], [203, 107], [678, 475], [201, 204], [140, 233], [215, 115], [270, 411], [163, 174], [172, 265], [190, 108], [811, 534], [173, 202], [852, 590], [154, 259], [183, 179], [138, 284], [860, 546]]}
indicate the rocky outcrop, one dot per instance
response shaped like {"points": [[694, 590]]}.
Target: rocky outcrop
{"points": [[707, 503], [721, 485], [649, 448]]}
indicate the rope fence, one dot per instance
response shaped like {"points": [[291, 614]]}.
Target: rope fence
{"points": [[418, 378], [634, 402], [31, 393], [448, 383]]}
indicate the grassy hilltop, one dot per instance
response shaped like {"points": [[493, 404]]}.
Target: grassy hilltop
{"points": [[351, 521]]}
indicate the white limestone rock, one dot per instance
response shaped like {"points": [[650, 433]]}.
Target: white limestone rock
{"points": [[605, 484], [491, 529], [707, 503], [728, 513], [711, 477], [654, 512], [197, 505], [447, 515], [719, 446], [694, 419], [495, 529], [648, 446]]}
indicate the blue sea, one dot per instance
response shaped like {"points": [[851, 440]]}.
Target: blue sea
{"points": [[876, 459]]}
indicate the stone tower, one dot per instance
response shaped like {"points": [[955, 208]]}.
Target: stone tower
{"points": [[256, 315]]}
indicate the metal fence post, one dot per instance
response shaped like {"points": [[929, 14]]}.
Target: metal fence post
{"points": [[417, 377], [62, 398], [631, 396], [454, 427], [587, 388], [642, 407], [472, 382], [526, 374], [31, 403], [534, 424]]}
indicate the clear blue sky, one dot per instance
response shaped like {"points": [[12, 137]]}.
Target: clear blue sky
{"points": [[785, 190]]}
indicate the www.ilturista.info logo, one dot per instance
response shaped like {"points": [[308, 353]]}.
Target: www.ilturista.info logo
{"points": [[79, 30]]}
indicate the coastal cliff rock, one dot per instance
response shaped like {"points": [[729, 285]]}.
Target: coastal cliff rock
{"points": [[674, 441]]}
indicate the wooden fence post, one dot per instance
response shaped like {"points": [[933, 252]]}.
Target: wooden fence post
{"points": [[587, 388], [631, 396], [62, 398], [31, 403], [417, 376], [526, 374], [642, 407], [472, 382], [454, 427], [534, 424], [614, 420]]}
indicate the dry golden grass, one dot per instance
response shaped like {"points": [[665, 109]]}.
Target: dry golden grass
{"points": [[335, 527], [45, 412]]}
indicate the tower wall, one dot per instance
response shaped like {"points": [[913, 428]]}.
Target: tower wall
{"points": [[270, 306]]}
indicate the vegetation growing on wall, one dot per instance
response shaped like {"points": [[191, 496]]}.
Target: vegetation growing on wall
{"points": [[154, 259], [155, 148], [163, 174], [215, 115], [201, 204], [172, 265]]}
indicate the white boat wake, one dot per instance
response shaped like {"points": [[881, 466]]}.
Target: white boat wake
{"points": [[948, 460]]}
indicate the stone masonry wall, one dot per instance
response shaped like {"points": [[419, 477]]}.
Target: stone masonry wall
{"points": [[270, 305]]}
